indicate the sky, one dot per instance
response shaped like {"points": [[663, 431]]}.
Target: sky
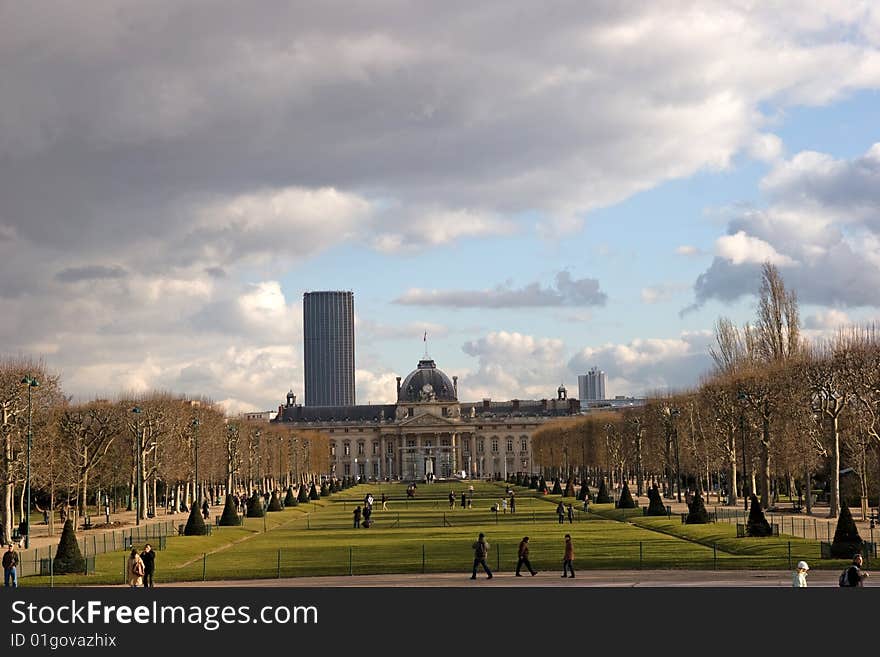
{"points": [[540, 187]]}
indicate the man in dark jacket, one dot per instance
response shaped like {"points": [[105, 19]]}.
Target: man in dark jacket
{"points": [[10, 567], [524, 557], [149, 559], [481, 551], [357, 517], [855, 576]]}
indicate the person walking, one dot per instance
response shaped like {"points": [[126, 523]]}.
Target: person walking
{"points": [[384, 502], [855, 576], [560, 513], [451, 500], [148, 556], [799, 579], [463, 500], [135, 569], [586, 504], [368, 511], [570, 513], [568, 557], [357, 517], [481, 551], [10, 566], [504, 505], [524, 557], [512, 502]]}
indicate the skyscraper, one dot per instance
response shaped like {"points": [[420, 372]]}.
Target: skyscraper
{"points": [[328, 348], [591, 386]]}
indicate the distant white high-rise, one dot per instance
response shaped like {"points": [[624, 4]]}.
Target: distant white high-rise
{"points": [[591, 386]]}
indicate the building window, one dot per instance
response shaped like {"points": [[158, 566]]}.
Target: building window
{"points": [[410, 442], [360, 449], [375, 448], [347, 449], [346, 469], [479, 445], [445, 442], [510, 444], [389, 448], [444, 411], [494, 445], [332, 450], [410, 412], [376, 470], [467, 446], [524, 444]]}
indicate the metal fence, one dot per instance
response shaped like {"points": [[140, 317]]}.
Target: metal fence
{"points": [[29, 561]]}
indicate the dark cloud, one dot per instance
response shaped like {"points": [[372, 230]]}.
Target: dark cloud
{"points": [[90, 273], [567, 292]]}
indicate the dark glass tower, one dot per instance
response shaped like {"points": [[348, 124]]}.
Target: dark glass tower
{"points": [[328, 348]]}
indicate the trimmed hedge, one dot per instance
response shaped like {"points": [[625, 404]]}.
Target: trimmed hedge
{"points": [[626, 500], [847, 540], [655, 502], [603, 497], [255, 506], [195, 524], [230, 512], [697, 514], [757, 524], [68, 558], [275, 503], [290, 498]]}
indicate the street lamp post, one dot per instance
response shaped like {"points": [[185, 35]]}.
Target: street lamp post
{"points": [[137, 459], [31, 383]]}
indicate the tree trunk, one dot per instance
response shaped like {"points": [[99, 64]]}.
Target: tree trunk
{"points": [[765, 465], [731, 471], [835, 470], [808, 489]]}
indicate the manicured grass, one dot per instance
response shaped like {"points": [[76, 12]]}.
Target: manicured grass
{"points": [[425, 535]]}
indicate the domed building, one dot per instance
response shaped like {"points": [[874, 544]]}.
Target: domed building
{"points": [[428, 433]]}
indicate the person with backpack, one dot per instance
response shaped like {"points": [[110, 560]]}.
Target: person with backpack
{"points": [[854, 575], [560, 513], [481, 551], [135, 569]]}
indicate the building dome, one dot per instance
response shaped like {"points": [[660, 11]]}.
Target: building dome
{"points": [[426, 383]]}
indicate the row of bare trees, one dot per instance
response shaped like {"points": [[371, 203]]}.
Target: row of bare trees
{"points": [[778, 412], [142, 451]]}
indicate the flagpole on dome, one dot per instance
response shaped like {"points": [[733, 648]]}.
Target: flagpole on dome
{"points": [[425, 340]]}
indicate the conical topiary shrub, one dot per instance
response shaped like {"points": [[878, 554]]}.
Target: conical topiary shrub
{"points": [[557, 487], [303, 494], [847, 541], [313, 493], [274, 503], [626, 499], [757, 524], [533, 484], [230, 513], [569, 489], [602, 497], [542, 484], [195, 524], [68, 558], [255, 506], [697, 514], [584, 492], [290, 498], [655, 502]]}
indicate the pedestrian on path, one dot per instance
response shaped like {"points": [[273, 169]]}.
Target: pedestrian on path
{"points": [[568, 558], [451, 500], [148, 556], [10, 567], [524, 557], [481, 551], [560, 513], [799, 579], [135, 569], [512, 503], [570, 513], [855, 576], [384, 502], [357, 517]]}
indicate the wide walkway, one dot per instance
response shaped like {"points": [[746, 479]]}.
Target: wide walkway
{"points": [[584, 578]]}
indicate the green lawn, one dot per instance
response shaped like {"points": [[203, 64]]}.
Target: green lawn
{"points": [[425, 535]]}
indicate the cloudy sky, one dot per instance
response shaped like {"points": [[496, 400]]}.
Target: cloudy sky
{"points": [[542, 187]]}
